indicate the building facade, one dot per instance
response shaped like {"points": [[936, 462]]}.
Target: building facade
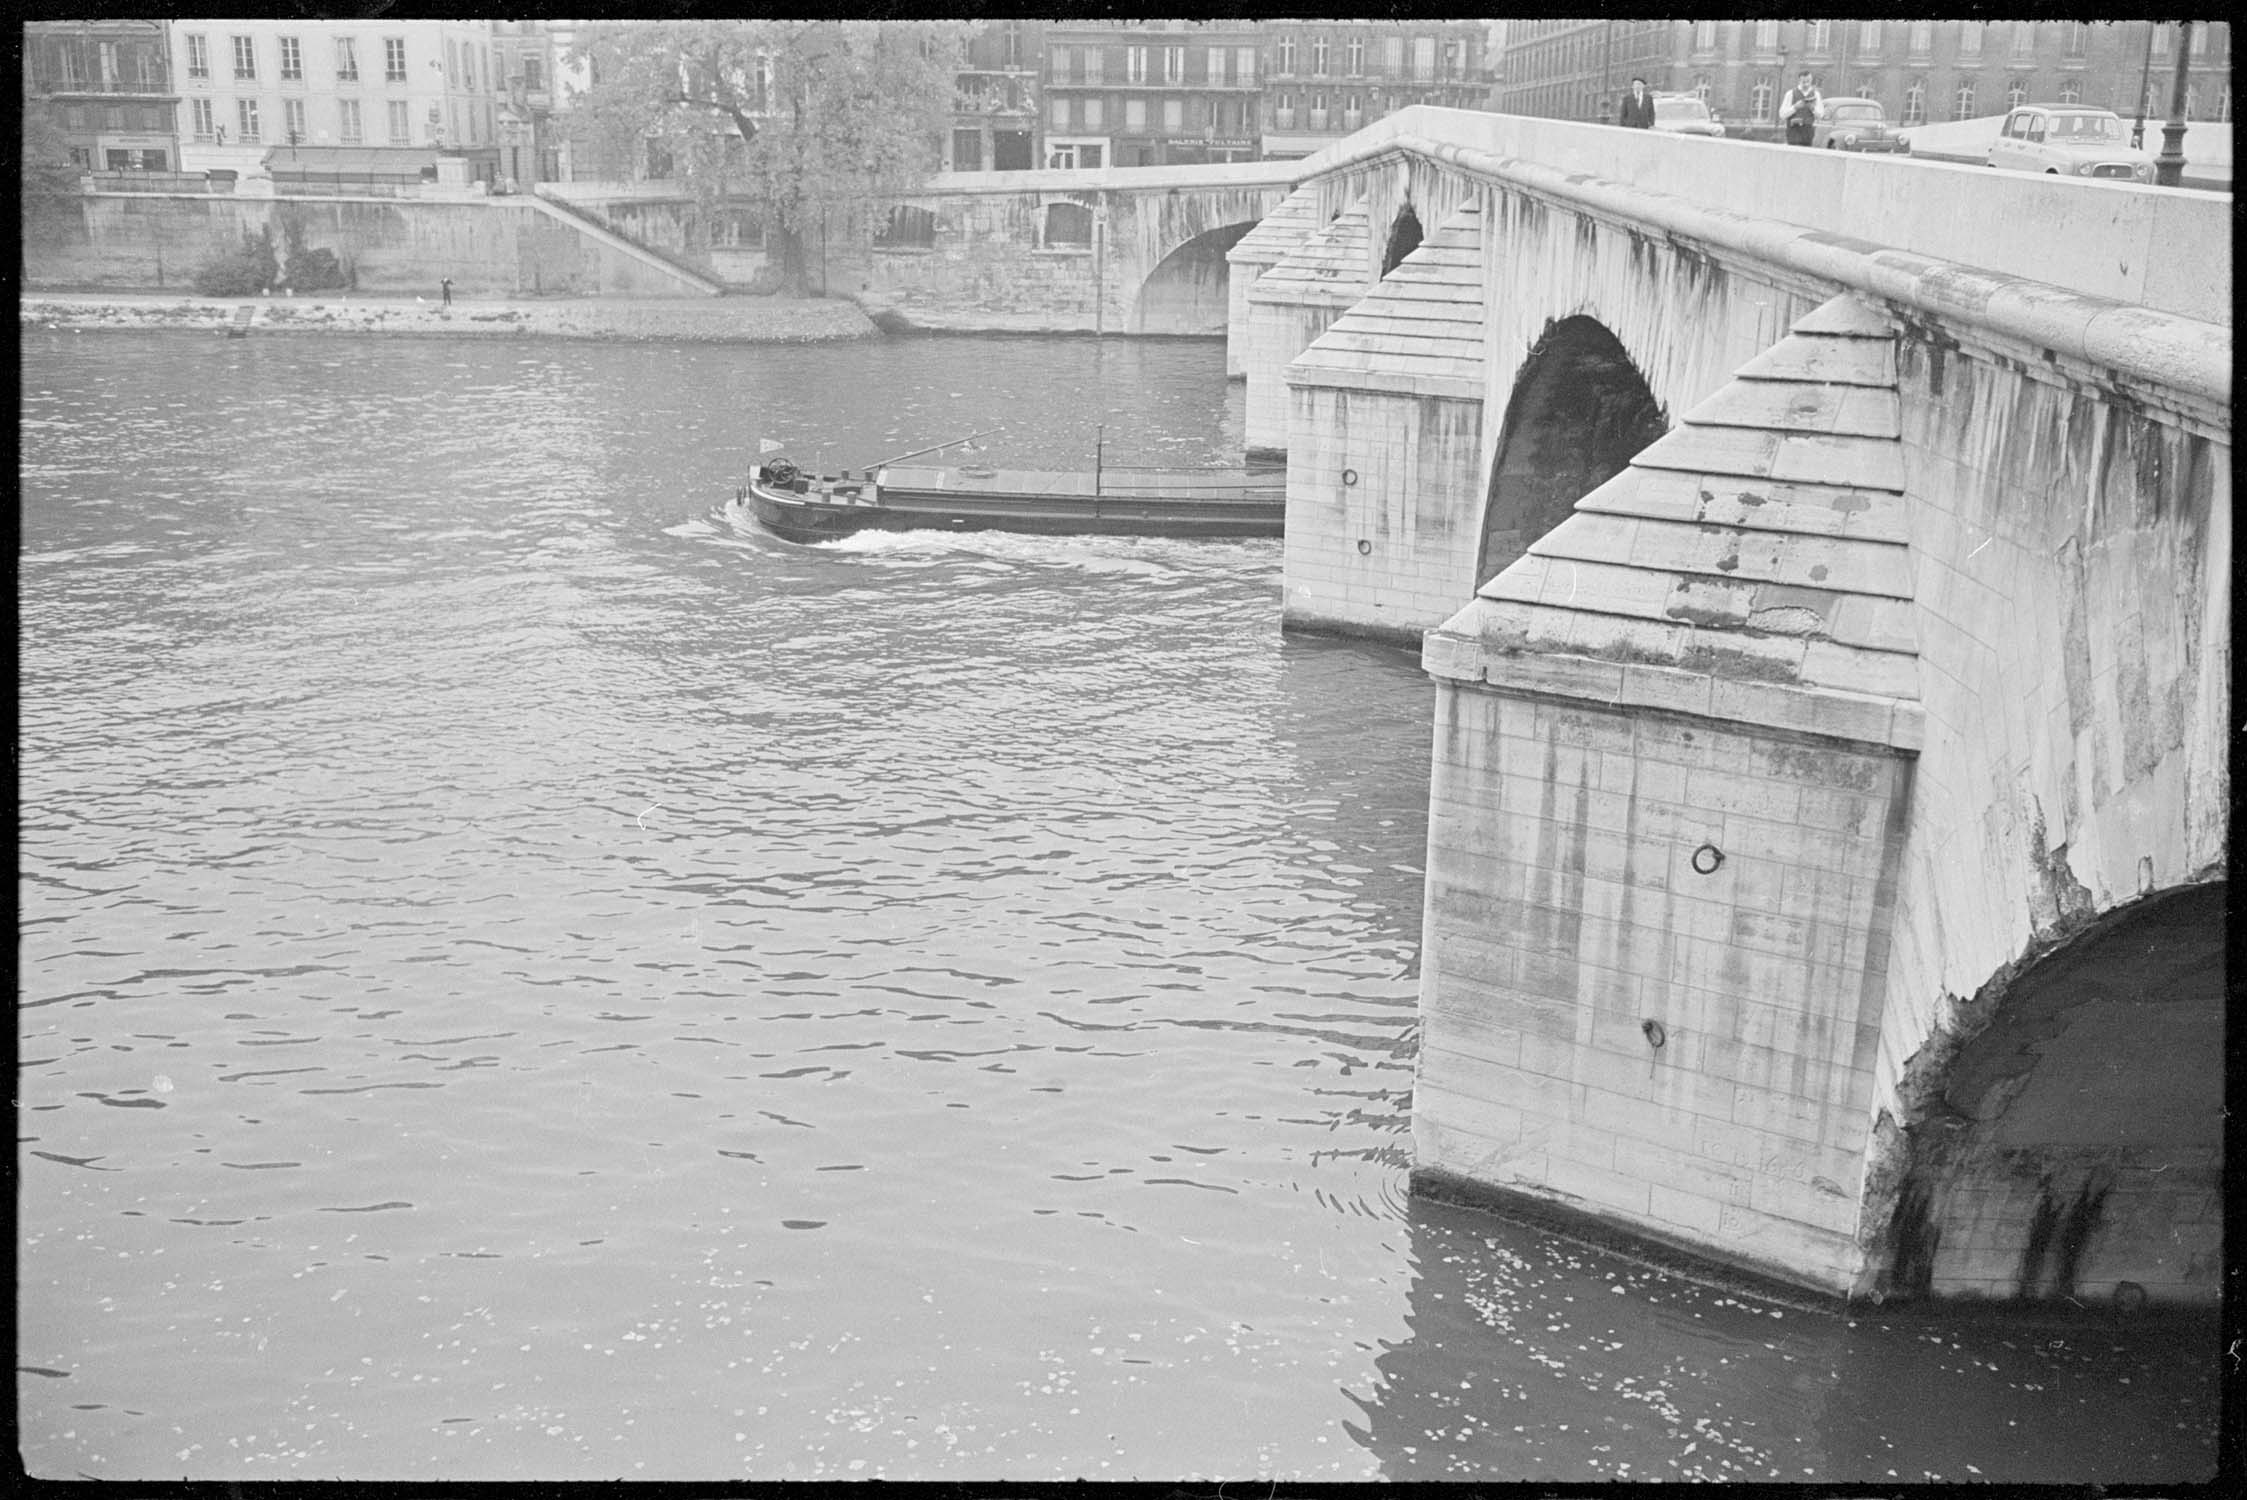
{"points": [[1920, 71], [529, 146], [107, 86], [1579, 70], [248, 87], [1325, 79], [996, 113], [1151, 93]]}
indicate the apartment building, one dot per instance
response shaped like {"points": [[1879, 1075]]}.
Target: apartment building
{"points": [[1325, 79], [524, 52], [248, 87], [1151, 93], [997, 101], [107, 85], [1919, 71]]}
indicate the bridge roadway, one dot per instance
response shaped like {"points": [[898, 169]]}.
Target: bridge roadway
{"points": [[1822, 563]]}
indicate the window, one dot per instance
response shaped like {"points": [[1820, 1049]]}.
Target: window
{"points": [[1057, 64], [1283, 111], [2071, 92], [1821, 37], [1969, 41], [1319, 54], [2160, 40], [1915, 103], [1318, 111], [1244, 65], [120, 161], [394, 60], [198, 55], [1067, 224], [155, 161], [2079, 37], [347, 121], [1135, 114], [1285, 65], [292, 120], [1356, 57], [1135, 64], [1174, 115], [200, 116], [1759, 100], [1767, 36], [2192, 101], [1174, 64], [292, 60], [67, 59], [1095, 63], [1353, 113], [1868, 36], [245, 58], [967, 150], [1095, 113], [113, 117], [534, 78], [1216, 65], [1704, 36], [245, 117], [106, 60], [1701, 88], [908, 228], [2024, 40], [346, 60], [401, 124], [468, 66], [1058, 112], [1922, 38], [1392, 56], [1424, 58]]}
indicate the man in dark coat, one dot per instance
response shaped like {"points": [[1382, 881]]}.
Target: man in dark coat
{"points": [[1798, 111], [1638, 106]]}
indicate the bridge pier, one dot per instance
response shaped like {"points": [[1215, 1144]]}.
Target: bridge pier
{"points": [[1385, 449], [1290, 223], [1290, 305], [1674, 750]]}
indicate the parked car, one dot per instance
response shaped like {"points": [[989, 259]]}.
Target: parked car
{"points": [[1684, 114], [2068, 140], [1851, 124]]}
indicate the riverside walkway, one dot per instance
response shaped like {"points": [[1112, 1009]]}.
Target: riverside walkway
{"points": [[668, 319]]}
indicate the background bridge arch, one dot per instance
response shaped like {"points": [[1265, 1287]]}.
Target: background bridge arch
{"points": [[1188, 290]]}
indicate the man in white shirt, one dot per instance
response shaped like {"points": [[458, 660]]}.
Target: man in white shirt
{"points": [[1798, 111]]}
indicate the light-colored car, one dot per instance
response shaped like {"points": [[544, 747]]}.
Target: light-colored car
{"points": [[1684, 114], [2068, 140], [1850, 124]]}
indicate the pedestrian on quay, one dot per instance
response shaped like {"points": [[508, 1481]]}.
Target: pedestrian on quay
{"points": [[445, 289], [1638, 107], [1800, 111]]}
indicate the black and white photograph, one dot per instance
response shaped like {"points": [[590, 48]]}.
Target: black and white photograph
{"points": [[1233, 753]]}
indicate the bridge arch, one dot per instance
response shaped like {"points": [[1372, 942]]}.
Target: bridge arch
{"points": [[1189, 289], [2072, 1148], [1580, 411], [1405, 235]]}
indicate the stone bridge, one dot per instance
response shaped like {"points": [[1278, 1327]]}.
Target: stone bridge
{"points": [[1831, 632], [1112, 250]]}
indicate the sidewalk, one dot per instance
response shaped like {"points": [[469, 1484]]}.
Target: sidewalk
{"points": [[725, 320]]}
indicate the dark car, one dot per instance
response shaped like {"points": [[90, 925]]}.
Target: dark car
{"points": [[1844, 124]]}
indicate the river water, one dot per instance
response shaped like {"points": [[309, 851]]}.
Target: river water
{"points": [[524, 976]]}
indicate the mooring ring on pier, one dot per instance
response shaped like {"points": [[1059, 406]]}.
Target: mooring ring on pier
{"points": [[1706, 859], [1654, 1033], [1349, 476], [1365, 547]]}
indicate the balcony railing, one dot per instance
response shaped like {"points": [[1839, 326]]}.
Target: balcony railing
{"points": [[112, 87]]}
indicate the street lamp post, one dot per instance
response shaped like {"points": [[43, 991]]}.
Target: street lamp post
{"points": [[2169, 166], [1606, 64], [2145, 83]]}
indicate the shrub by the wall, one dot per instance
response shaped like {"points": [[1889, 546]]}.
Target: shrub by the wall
{"points": [[244, 273]]}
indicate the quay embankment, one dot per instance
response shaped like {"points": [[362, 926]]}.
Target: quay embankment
{"points": [[722, 320]]}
